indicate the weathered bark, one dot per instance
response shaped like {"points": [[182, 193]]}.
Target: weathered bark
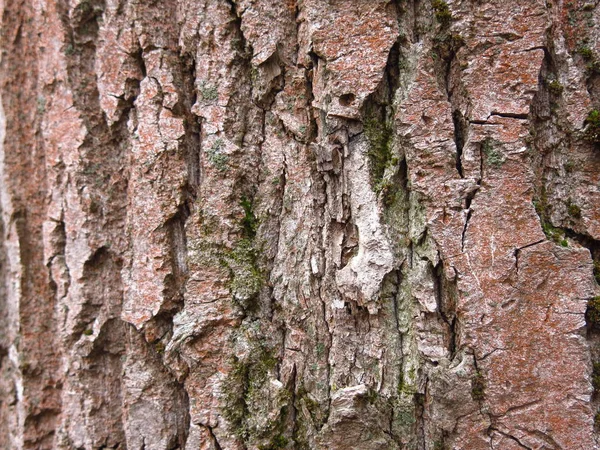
{"points": [[257, 224]]}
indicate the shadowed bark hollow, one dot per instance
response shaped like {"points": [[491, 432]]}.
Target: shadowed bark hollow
{"points": [[300, 224]]}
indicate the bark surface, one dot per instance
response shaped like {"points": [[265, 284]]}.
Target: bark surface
{"points": [[300, 224]]}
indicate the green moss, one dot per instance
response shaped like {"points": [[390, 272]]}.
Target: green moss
{"points": [[477, 387], [320, 348], [592, 64], [405, 416], [493, 157], [246, 277], [314, 408], [585, 52], [208, 92], [277, 441], [249, 222], [88, 332], [573, 210], [254, 75], [234, 389], [597, 271], [439, 445], [596, 377], [216, 156], [592, 67], [41, 105], [554, 87], [85, 7], [266, 361], [401, 386], [243, 384], [372, 396], [379, 134], [446, 45], [383, 163], [405, 387], [552, 233], [441, 12], [592, 130], [592, 314], [569, 166], [597, 419]]}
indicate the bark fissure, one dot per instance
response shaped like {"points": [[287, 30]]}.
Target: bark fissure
{"points": [[511, 437]]}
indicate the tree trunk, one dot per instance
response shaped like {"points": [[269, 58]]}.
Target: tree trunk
{"points": [[301, 224]]}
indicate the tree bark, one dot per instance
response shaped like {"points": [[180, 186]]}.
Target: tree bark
{"points": [[301, 224]]}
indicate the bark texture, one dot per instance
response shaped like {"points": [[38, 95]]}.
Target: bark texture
{"points": [[299, 224]]}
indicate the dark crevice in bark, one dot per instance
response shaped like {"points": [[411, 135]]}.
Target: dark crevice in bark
{"points": [[420, 422], [478, 385], [193, 129], [593, 245], [264, 94], [309, 73], [237, 24], [6, 327], [294, 410], [327, 172], [446, 305], [138, 57], [460, 127], [544, 120], [512, 438], [559, 225], [392, 72], [446, 46], [395, 279], [377, 117], [470, 197], [214, 439], [396, 276], [517, 252], [175, 227], [159, 329], [297, 12], [326, 355], [465, 227], [510, 115], [82, 31], [177, 244], [60, 287]]}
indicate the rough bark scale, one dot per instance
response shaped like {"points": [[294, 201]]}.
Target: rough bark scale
{"points": [[256, 224]]}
